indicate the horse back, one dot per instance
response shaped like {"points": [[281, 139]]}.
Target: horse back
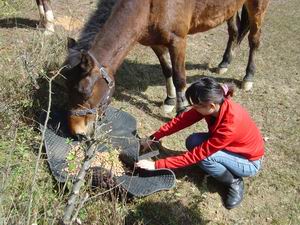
{"points": [[183, 17], [208, 14]]}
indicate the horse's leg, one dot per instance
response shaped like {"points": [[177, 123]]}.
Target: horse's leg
{"points": [[231, 44], [162, 54], [41, 12], [49, 17], [256, 11], [177, 54]]}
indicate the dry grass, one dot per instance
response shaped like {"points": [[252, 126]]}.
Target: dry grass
{"points": [[27, 56]]}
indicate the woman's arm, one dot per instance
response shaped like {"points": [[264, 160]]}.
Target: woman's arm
{"points": [[178, 123], [218, 141]]}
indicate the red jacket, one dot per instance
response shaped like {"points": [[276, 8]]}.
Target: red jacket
{"points": [[232, 130]]}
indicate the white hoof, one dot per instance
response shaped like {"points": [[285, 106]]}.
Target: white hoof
{"points": [[168, 108], [247, 85], [221, 71], [48, 33], [49, 29]]}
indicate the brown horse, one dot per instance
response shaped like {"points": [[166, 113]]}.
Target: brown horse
{"points": [[164, 26], [46, 16]]}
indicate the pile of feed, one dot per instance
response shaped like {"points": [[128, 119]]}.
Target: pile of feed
{"points": [[108, 160]]}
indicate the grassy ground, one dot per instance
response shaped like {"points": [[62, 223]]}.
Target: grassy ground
{"points": [[27, 57]]}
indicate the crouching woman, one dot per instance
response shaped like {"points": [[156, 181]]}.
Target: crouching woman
{"points": [[231, 149]]}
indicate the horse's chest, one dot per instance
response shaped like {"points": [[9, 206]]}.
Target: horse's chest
{"points": [[155, 37]]}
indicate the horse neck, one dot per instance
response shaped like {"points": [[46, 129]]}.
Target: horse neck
{"points": [[121, 31]]}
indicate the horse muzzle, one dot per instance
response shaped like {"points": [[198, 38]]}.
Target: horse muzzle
{"points": [[81, 125]]}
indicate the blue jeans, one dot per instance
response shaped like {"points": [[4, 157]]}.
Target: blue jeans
{"points": [[217, 163]]}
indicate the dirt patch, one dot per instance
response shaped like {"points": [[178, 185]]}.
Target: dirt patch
{"points": [[68, 23]]}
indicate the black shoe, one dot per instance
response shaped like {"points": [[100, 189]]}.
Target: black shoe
{"points": [[235, 194], [235, 189]]}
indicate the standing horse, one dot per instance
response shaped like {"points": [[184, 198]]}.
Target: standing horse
{"points": [[164, 26], [46, 16]]}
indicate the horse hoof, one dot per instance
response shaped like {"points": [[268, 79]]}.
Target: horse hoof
{"points": [[168, 108], [48, 33], [221, 70], [49, 29], [169, 105], [247, 85], [179, 111]]}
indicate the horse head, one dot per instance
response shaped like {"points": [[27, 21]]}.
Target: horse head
{"points": [[90, 89]]}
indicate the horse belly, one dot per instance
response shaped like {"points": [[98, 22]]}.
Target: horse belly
{"points": [[205, 25]]}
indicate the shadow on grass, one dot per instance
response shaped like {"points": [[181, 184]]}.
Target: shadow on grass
{"points": [[17, 22], [40, 98], [133, 79], [158, 213]]}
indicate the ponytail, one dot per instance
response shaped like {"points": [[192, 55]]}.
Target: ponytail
{"points": [[228, 89], [208, 90]]}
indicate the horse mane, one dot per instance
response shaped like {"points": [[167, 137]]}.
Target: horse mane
{"points": [[94, 24]]}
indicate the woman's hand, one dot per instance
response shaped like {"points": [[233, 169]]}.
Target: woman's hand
{"points": [[145, 143], [146, 164]]}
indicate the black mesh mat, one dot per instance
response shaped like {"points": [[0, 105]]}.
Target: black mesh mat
{"points": [[121, 128], [121, 125], [147, 182]]}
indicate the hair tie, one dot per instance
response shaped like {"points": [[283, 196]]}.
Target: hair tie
{"points": [[225, 89]]}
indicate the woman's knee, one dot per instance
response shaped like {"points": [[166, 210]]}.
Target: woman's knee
{"points": [[195, 139], [253, 171]]}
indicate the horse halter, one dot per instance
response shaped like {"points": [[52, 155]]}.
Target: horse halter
{"points": [[104, 100]]}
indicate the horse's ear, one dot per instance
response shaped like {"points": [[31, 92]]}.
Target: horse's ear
{"points": [[86, 61], [71, 43], [74, 56]]}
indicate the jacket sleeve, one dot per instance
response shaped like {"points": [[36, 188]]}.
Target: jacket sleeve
{"points": [[221, 138], [178, 123]]}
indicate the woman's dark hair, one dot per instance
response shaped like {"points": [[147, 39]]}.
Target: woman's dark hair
{"points": [[208, 90]]}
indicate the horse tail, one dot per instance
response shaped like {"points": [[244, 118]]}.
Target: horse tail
{"points": [[244, 25]]}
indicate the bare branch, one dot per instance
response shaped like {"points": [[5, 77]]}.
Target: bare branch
{"points": [[41, 147]]}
